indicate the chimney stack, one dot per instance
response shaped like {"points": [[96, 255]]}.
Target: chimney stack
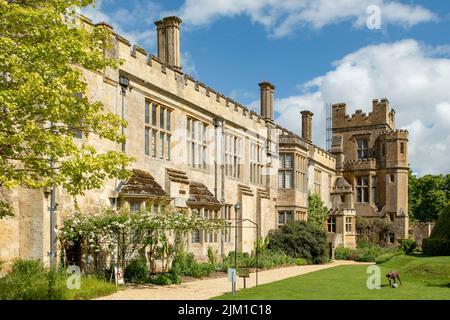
{"points": [[267, 90], [307, 125], [168, 39]]}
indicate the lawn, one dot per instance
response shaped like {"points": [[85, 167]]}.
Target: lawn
{"points": [[90, 287], [422, 278]]}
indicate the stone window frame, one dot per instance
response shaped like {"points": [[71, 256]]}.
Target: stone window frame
{"points": [[210, 236], [300, 172], [285, 171], [362, 189], [284, 213], [362, 149], [331, 224], [256, 162], [233, 155], [158, 134], [196, 143], [348, 225], [373, 189], [196, 235]]}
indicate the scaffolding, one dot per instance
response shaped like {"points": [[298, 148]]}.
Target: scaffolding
{"points": [[329, 133]]}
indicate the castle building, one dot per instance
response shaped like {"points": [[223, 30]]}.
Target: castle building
{"points": [[205, 152], [372, 157]]}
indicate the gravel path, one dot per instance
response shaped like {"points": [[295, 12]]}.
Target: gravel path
{"points": [[205, 289]]}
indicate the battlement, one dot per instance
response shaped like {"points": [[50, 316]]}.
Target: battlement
{"points": [[138, 63], [398, 134], [381, 114], [363, 164]]}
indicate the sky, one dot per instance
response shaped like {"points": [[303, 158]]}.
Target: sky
{"points": [[315, 52]]}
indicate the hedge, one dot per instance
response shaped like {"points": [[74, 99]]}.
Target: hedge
{"points": [[436, 247]]}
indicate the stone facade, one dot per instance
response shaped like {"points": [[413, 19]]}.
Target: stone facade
{"points": [[206, 152], [373, 158]]}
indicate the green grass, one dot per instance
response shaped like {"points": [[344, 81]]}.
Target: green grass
{"points": [[90, 287], [422, 278]]}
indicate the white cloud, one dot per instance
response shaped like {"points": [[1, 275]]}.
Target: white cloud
{"points": [[282, 18], [415, 82], [135, 23]]}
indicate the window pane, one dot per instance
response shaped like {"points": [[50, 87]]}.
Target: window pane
{"points": [[281, 179], [365, 194], [281, 218], [161, 117], [365, 180], [204, 157], [168, 147], [204, 134], [153, 143], [161, 144], [288, 217], [153, 114], [288, 175], [147, 112], [147, 140], [288, 161], [168, 113], [358, 195]]}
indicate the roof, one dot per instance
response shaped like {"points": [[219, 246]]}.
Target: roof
{"points": [[142, 184], [200, 195]]}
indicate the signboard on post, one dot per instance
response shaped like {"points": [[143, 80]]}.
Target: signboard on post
{"points": [[118, 274], [232, 279]]}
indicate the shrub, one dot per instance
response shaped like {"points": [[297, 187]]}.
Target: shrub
{"points": [[200, 270], [439, 242], [365, 254], [266, 260], [29, 280], [436, 247], [136, 271], [162, 279], [342, 253], [184, 264], [408, 246], [368, 254], [300, 239], [300, 262], [211, 256]]}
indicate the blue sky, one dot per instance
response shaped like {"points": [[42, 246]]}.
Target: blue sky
{"points": [[314, 52]]}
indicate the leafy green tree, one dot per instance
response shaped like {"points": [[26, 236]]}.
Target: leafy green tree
{"points": [[428, 195], [301, 239], [43, 100], [317, 212]]}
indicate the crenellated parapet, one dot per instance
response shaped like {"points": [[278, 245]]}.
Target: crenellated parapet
{"points": [[363, 164], [150, 70], [399, 134], [382, 115]]}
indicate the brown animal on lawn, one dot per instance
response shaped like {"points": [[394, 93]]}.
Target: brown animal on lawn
{"points": [[393, 275]]}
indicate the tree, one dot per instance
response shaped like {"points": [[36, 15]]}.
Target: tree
{"points": [[317, 212], [428, 196], [300, 239], [43, 102]]}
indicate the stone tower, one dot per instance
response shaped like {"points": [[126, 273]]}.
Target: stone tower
{"points": [[374, 160]]}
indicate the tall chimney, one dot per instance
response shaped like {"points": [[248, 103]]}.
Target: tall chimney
{"points": [[168, 38], [161, 40], [307, 125], [267, 90]]}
